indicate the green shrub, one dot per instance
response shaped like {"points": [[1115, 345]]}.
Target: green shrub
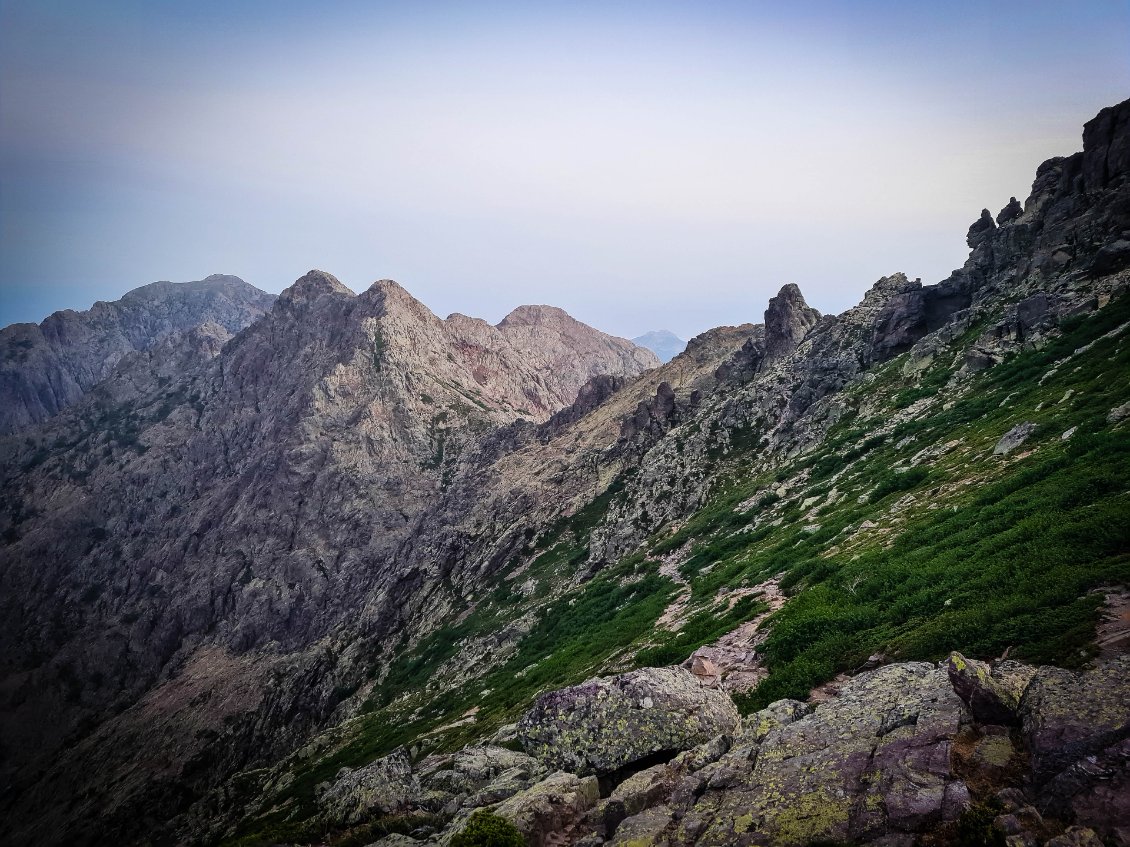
{"points": [[486, 829]]}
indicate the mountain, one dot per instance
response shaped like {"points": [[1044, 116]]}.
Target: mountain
{"points": [[664, 344], [317, 587], [46, 368]]}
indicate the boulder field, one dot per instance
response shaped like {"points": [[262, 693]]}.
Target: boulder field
{"points": [[962, 752]]}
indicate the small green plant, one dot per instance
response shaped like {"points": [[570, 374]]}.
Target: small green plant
{"points": [[975, 827], [486, 829]]}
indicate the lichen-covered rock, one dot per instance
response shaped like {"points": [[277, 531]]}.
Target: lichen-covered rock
{"points": [[699, 757], [1014, 438], [1076, 836], [638, 792], [644, 829], [1070, 715], [1077, 726], [382, 787], [992, 694], [872, 761], [776, 714], [556, 803], [605, 724]]}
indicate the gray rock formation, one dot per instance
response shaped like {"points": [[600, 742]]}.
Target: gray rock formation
{"points": [[893, 757], [992, 694], [787, 321], [383, 787], [48, 367], [606, 724]]}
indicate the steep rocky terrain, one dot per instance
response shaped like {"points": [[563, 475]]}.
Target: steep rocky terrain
{"points": [[46, 368], [361, 537], [240, 522]]}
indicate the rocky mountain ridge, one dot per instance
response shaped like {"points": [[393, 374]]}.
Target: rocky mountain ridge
{"points": [[339, 537], [332, 403], [47, 367]]}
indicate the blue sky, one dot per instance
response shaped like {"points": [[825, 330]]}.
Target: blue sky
{"points": [[643, 165]]}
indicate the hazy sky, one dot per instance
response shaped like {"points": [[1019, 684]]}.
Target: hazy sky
{"points": [[643, 165]]}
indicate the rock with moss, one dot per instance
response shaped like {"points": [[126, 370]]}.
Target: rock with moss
{"points": [[486, 829], [638, 792], [383, 787], [991, 693], [1077, 727], [646, 829], [551, 806], [490, 768], [871, 762], [1069, 715], [605, 724]]}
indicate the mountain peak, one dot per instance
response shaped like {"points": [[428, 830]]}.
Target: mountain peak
{"points": [[662, 342], [312, 286], [788, 319], [536, 315]]}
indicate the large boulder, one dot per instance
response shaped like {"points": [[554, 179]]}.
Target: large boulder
{"points": [[991, 693], [551, 806], [1070, 715], [1077, 726], [873, 761], [1014, 438], [605, 724], [383, 787], [479, 776]]}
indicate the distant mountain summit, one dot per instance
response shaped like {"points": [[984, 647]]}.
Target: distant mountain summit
{"points": [[46, 367], [663, 343]]}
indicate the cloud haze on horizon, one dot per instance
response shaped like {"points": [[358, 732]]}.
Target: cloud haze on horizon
{"points": [[643, 166]]}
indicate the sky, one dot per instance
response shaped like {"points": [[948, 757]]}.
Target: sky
{"points": [[642, 165]]}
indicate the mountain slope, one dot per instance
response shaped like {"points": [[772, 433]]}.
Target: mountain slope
{"points": [[344, 534], [772, 463], [47, 367], [243, 521]]}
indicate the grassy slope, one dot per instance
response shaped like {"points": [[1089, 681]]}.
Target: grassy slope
{"points": [[992, 552]]}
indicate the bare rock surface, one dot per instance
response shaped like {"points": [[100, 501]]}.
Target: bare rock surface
{"points": [[48, 367], [380, 788], [874, 759], [991, 693], [604, 724]]}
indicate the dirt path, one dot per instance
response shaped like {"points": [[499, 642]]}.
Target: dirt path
{"points": [[732, 662]]}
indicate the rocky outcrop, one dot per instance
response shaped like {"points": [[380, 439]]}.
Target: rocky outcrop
{"points": [[47, 368], [552, 807], [787, 321], [604, 725], [383, 787], [892, 757], [873, 761], [991, 693], [1068, 716]]}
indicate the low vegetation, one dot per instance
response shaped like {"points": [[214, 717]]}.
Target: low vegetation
{"points": [[900, 534]]}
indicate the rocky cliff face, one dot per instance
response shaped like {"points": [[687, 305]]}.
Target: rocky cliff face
{"points": [[337, 415], [360, 526], [48, 367]]}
